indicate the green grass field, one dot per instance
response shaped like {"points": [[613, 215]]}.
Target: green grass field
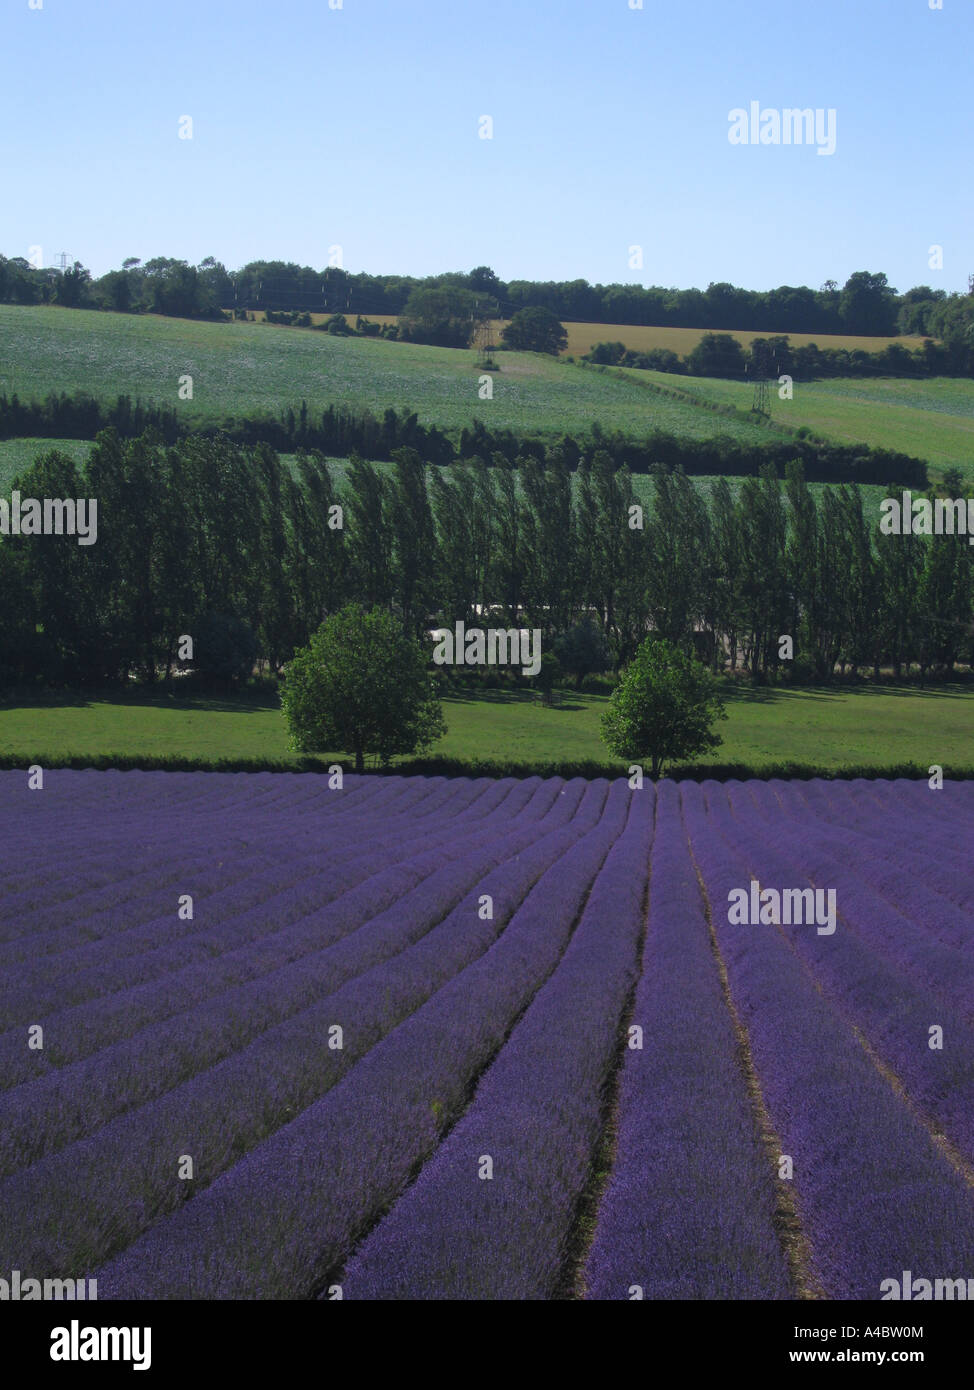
{"points": [[240, 368], [824, 727], [933, 420]]}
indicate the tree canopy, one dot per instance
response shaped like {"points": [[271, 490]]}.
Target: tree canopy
{"points": [[535, 330], [442, 316], [361, 686], [663, 708]]}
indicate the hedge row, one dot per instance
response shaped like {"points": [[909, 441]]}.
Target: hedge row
{"points": [[338, 432], [476, 767]]}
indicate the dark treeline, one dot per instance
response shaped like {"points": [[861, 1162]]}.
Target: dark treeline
{"points": [[866, 304], [720, 354], [340, 432], [226, 545]]}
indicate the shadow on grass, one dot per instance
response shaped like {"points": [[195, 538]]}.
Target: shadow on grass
{"points": [[570, 700], [490, 697], [741, 693], [259, 700], [243, 702]]}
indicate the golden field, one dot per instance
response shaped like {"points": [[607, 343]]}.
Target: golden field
{"points": [[582, 337]]}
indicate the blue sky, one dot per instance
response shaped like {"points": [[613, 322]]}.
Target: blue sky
{"points": [[358, 127]]}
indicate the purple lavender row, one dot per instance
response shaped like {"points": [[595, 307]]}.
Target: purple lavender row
{"points": [[282, 1219], [255, 906], [925, 936], [118, 888], [689, 1208], [26, 812], [834, 812], [880, 811], [894, 825], [892, 911], [381, 917], [894, 1013], [220, 829], [875, 1195], [878, 797], [249, 891], [536, 1117], [121, 878], [65, 1102], [75, 1208], [224, 825], [217, 794], [903, 836], [901, 883], [153, 896], [261, 983], [130, 956], [82, 900], [68, 794]]}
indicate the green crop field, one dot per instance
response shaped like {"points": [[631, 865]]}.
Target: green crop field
{"points": [[829, 728], [931, 419], [240, 368]]}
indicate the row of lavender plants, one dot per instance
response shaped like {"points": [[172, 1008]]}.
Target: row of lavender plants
{"points": [[463, 1232], [322, 950], [465, 1139], [78, 1205], [893, 841], [84, 833], [233, 939], [868, 966], [282, 1221], [875, 1194], [689, 1209]]}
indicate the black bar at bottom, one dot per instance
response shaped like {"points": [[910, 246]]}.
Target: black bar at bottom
{"points": [[268, 1337]]}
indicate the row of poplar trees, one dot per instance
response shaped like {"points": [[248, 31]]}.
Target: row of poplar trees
{"points": [[207, 529]]}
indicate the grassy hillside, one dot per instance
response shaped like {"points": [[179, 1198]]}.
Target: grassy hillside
{"points": [[931, 419], [240, 368], [826, 727]]}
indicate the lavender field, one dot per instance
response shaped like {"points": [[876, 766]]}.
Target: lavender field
{"points": [[429, 1038]]}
